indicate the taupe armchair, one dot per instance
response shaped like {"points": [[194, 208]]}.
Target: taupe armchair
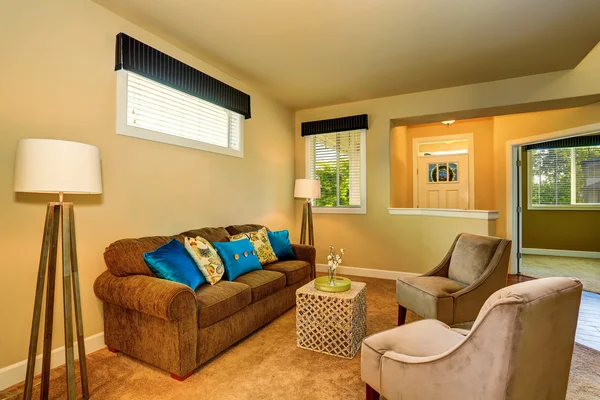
{"points": [[520, 347], [454, 291]]}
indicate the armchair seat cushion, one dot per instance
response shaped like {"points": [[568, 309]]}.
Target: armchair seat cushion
{"points": [[428, 296], [418, 339], [294, 270], [221, 300], [262, 283]]}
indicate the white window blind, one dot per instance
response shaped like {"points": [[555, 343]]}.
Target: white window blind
{"points": [[564, 176], [336, 159], [179, 118]]}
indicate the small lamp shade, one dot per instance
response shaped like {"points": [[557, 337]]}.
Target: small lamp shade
{"points": [[307, 189], [53, 166]]}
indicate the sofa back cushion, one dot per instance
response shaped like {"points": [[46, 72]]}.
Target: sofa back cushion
{"points": [[210, 234], [471, 256], [126, 256], [237, 229]]}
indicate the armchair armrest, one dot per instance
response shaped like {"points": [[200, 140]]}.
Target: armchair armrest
{"points": [[149, 295], [306, 253]]}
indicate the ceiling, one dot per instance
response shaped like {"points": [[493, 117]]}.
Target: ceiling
{"points": [[309, 53]]}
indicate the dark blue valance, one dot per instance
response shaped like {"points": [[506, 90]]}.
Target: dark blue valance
{"points": [[335, 125], [577, 141], [135, 56]]}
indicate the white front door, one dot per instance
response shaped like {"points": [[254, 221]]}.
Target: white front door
{"points": [[443, 181]]}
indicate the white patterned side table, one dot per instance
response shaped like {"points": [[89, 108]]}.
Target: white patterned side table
{"points": [[331, 323]]}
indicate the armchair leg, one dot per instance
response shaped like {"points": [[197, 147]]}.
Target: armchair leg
{"points": [[372, 394], [401, 315]]}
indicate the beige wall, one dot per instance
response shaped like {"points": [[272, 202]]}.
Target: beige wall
{"points": [[57, 81], [402, 157], [558, 229], [380, 240]]}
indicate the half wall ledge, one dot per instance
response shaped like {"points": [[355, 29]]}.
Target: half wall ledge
{"points": [[489, 215]]}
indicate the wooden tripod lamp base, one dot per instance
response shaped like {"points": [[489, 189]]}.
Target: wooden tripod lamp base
{"points": [[307, 224], [59, 223]]}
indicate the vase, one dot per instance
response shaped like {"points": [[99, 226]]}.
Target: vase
{"points": [[332, 275]]}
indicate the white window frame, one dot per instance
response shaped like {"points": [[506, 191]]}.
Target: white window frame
{"points": [[564, 207], [133, 131], [363, 180]]}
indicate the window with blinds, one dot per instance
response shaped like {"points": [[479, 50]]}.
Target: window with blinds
{"points": [[338, 161], [564, 177], [150, 110]]}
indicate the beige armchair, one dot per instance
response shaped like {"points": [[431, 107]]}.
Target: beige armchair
{"points": [[520, 347], [454, 291]]}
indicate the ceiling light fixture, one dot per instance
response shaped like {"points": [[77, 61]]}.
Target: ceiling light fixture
{"points": [[449, 122]]}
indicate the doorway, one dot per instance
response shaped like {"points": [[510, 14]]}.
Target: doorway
{"points": [[442, 172], [556, 215]]}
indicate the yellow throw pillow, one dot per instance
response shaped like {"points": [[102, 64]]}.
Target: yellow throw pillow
{"points": [[261, 243], [206, 258]]}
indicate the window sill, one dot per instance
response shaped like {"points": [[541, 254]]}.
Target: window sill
{"points": [[339, 210], [488, 215], [579, 207]]}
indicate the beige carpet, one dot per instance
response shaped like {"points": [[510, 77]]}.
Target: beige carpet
{"points": [[268, 365], [587, 270]]}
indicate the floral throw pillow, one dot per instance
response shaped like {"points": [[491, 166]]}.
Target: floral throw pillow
{"points": [[206, 258], [261, 243]]}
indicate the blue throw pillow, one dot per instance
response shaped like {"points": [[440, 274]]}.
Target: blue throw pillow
{"points": [[172, 262], [280, 241], [239, 257]]}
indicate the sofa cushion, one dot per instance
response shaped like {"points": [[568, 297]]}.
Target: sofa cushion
{"points": [[206, 258], [210, 234], [471, 256], [221, 300], [263, 283], [238, 257], [172, 262], [428, 296], [126, 256], [294, 270], [237, 229], [280, 241], [261, 243]]}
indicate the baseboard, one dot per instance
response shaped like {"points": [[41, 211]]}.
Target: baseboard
{"points": [[366, 272], [15, 373], [561, 253]]}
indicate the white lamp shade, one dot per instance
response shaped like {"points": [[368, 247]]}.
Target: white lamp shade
{"points": [[53, 166], [307, 189]]}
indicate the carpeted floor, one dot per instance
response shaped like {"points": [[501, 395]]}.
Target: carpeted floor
{"points": [[587, 270], [268, 365]]}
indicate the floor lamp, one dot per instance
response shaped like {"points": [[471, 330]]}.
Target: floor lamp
{"points": [[56, 166], [307, 189]]}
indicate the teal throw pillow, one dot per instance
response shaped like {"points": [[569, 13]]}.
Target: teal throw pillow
{"points": [[280, 241], [239, 257], [172, 262]]}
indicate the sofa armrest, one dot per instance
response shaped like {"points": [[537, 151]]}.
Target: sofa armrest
{"points": [[306, 253], [149, 295]]}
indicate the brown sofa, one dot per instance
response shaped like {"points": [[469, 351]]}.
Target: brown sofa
{"points": [[168, 325]]}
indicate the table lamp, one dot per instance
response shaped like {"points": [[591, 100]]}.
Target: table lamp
{"points": [[57, 166], [307, 189]]}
